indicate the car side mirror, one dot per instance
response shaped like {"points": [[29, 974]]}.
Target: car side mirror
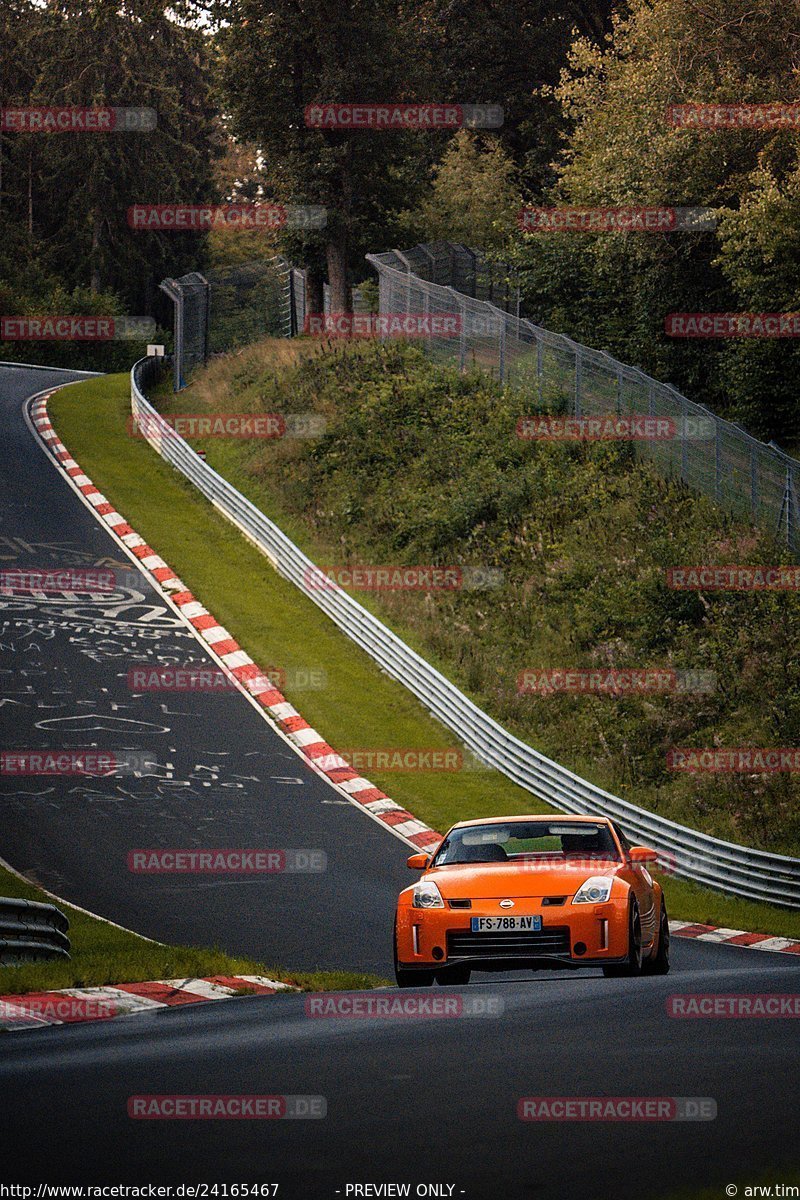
{"points": [[418, 862], [643, 854]]}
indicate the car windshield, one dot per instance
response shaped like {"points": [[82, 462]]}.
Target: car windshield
{"points": [[528, 841]]}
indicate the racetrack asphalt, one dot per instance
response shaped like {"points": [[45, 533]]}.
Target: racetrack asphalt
{"points": [[414, 1100], [222, 777]]}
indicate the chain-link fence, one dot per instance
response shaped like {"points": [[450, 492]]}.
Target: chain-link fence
{"points": [[453, 265], [747, 477], [190, 296], [232, 306], [247, 302], [360, 300]]}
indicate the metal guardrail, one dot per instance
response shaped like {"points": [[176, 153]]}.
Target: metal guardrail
{"points": [[756, 874], [30, 931]]}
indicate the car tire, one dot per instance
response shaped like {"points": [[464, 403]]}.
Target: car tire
{"points": [[658, 964], [453, 976], [632, 965], [410, 979]]}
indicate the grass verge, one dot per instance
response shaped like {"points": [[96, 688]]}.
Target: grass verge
{"points": [[418, 464], [278, 625]]}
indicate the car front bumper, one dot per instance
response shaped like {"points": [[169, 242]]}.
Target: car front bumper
{"points": [[571, 935]]}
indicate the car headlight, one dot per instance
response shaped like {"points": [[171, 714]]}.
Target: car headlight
{"points": [[427, 895], [594, 891]]}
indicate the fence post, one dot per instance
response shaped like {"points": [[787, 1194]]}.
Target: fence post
{"points": [[684, 445], [473, 258], [578, 380], [539, 379], [171, 288], [462, 334], [292, 311], [717, 461], [207, 318], [177, 381]]}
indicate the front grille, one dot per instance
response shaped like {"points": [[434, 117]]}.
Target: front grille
{"points": [[512, 944], [460, 903]]}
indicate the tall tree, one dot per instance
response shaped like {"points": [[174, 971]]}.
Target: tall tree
{"points": [[280, 56], [75, 188], [615, 290], [510, 52]]}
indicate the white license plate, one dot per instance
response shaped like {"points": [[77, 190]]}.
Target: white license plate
{"points": [[505, 924]]}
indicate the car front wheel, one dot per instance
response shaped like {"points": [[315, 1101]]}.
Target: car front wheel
{"points": [[408, 979], [633, 961], [659, 963]]}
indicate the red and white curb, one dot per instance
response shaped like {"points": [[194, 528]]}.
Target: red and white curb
{"points": [[734, 937], [310, 743], [225, 647], [72, 1006]]}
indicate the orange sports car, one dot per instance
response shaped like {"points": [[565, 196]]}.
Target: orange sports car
{"points": [[504, 893]]}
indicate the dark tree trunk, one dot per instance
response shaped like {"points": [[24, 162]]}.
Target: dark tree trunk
{"points": [[313, 290], [336, 254], [97, 225]]}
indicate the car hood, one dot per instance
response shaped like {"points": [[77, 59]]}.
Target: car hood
{"points": [[496, 880]]}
